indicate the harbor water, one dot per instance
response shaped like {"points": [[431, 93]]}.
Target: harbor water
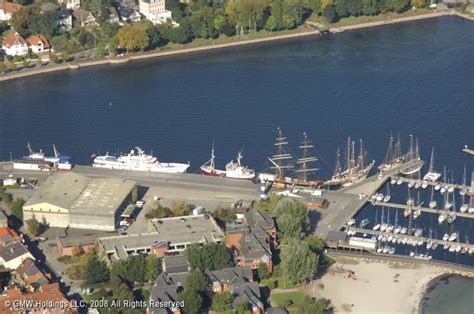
{"points": [[450, 295]]}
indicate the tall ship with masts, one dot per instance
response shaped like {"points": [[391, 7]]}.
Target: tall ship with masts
{"points": [[233, 170], [413, 155], [355, 168], [432, 175], [280, 162], [304, 164], [393, 157]]}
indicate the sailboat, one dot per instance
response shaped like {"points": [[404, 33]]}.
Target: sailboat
{"points": [[376, 226], [387, 196], [433, 203], [463, 190], [233, 170], [443, 186], [355, 168], [280, 163], [383, 226], [452, 215], [303, 164], [393, 157], [464, 207], [450, 187], [413, 154], [432, 175]]}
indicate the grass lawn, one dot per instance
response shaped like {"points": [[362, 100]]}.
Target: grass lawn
{"points": [[281, 299]]}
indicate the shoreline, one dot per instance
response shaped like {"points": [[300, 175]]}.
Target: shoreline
{"points": [[405, 285], [212, 47]]}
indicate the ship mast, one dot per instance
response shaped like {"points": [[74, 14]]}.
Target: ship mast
{"points": [[278, 160], [337, 169], [432, 161], [389, 155], [28, 145], [398, 148], [361, 159], [305, 159]]}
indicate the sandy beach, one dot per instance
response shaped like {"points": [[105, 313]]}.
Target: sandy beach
{"points": [[380, 287]]}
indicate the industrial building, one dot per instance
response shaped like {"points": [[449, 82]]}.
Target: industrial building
{"points": [[172, 235], [76, 201]]}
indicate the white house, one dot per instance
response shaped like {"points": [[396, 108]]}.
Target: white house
{"points": [[155, 11], [64, 19], [7, 9], [83, 17], [15, 45], [71, 4], [38, 44], [128, 14], [13, 254]]}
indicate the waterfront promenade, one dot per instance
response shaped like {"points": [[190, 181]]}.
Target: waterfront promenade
{"points": [[239, 42]]}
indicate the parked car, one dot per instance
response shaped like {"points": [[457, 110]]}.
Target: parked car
{"points": [[140, 203]]}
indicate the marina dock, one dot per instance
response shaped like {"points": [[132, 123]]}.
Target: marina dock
{"points": [[412, 237], [423, 209], [468, 150], [418, 181]]}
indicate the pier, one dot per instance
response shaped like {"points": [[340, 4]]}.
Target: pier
{"points": [[420, 182], [468, 150], [412, 237], [423, 209]]}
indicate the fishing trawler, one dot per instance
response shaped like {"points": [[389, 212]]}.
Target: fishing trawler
{"points": [[233, 170], [393, 157], [413, 154], [36, 160], [432, 174], [355, 168], [137, 161]]}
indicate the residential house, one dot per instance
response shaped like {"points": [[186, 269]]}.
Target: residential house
{"points": [[223, 280], [8, 236], [29, 275], [112, 15], [15, 45], [64, 19], [249, 293], [45, 300], [71, 4], [155, 11], [3, 220], [7, 9], [128, 14], [252, 239], [49, 7], [83, 18], [166, 289], [13, 254], [38, 44]]}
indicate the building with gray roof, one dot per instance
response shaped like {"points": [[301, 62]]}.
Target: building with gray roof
{"points": [[76, 201]]}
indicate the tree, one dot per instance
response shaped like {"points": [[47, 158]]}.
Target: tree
{"points": [[135, 268], [219, 22], [224, 214], [3, 67], [262, 272], [298, 263], [16, 206], [34, 226], [20, 20], [113, 46], [123, 292], [132, 38], [101, 50], [243, 308], [95, 271], [53, 57], [330, 14], [76, 250], [310, 305], [153, 267], [193, 301], [222, 302], [44, 24], [209, 256], [396, 5], [180, 208], [418, 3], [155, 38], [315, 244], [3, 27], [196, 282], [65, 56], [26, 63], [292, 218]]}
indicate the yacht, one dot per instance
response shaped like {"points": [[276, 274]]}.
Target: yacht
{"points": [[453, 237], [432, 174], [137, 160], [442, 217], [424, 185]]}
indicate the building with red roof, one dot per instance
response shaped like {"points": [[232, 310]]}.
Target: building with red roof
{"points": [[38, 44], [7, 9], [15, 45]]}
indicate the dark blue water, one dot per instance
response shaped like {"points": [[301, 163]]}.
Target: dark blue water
{"points": [[451, 295], [411, 78]]}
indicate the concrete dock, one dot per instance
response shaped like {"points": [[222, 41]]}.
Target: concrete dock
{"points": [[423, 209]]}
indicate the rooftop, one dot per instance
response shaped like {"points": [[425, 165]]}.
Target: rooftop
{"points": [[175, 264], [230, 275], [12, 251], [175, 231]]}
